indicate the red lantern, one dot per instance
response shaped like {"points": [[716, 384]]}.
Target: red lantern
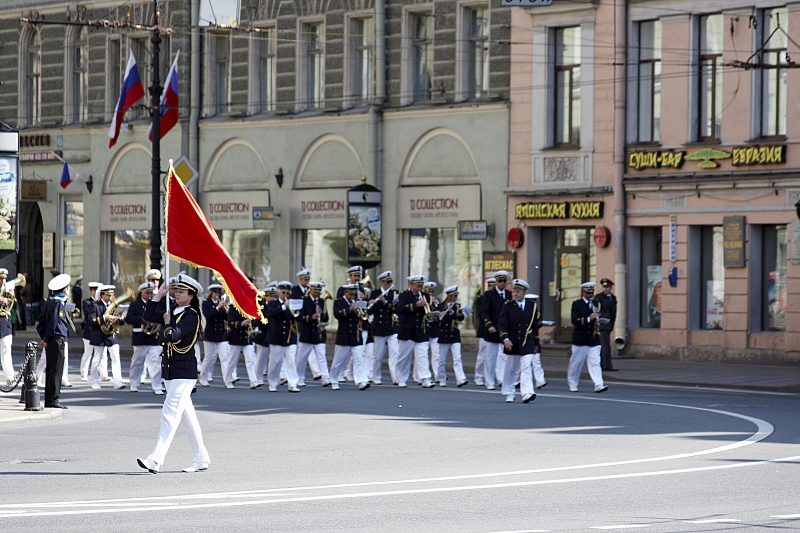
{"points": [[515, 238]]}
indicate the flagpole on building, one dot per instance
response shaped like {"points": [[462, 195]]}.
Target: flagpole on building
{"points": [[155, 114]]}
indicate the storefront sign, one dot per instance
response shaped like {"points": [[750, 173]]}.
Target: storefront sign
{"points": [[673, 238], [741, 156], [34, 190], [515, 238], [661, 159], [364, 226], [733, 241], [9, 202], [319, 209], [233, 209], [39, 157], [122, 212], [437, 207], [48, 250], [263, 217], [550, 210], [28, 141], [494, 261], [759, 155], [473, 230]]}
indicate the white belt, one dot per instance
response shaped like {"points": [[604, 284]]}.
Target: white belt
{"points": [[137, 330]]}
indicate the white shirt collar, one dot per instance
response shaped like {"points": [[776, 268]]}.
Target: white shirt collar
{"points": [[179, 310]]}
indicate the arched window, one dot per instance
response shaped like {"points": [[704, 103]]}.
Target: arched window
{"points": [[77, 72], [30, 88]]}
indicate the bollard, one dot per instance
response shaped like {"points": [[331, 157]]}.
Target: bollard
{"points": [[30, 389]]}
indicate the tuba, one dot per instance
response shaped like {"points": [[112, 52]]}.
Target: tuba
{"points": [[7, 291], [112, 328]]}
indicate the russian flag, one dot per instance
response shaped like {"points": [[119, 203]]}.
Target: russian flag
{"points": [[68, 174], [132, 92], [169, 101]]}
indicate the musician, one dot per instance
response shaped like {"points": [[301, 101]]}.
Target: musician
{"points": [[606, 302], [154, 276], [261, 338], [585, 340], [480, 332], [53, 329], [5, 328], [450, 314], [384, 328], [77, 296], [354, 275], [493, 302], [312, 336], [179, 368], [349, 341], [519, 330], [300, 290], [413, 333], [215, 333], [282, 336], [430, 288], [86, 359], [100, 316], [146, 349], [241, 342]]}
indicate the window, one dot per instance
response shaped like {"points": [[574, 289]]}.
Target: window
{"points": [[325, 253], [649, 82], [114, 74], [422, 56], [567, 87], [266, 70], [774, 291], [478, 58], [362, 38], [774, 79], [130, 259], [221, 69], [32, 69], [141, 51], [439, 256], [72, 238], [250, 249], [710, 78], [650, 277], [80, 77], [313, 38], [712, 275]]}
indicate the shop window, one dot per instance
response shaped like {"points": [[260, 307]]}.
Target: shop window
{"points": [[72, 239], [774, 80], [774, 297], [567, 87], [439, 256], [361, 64], [709, 75], [130, 259], [250, 249], [649, 82], [324, 252], [712, 275], [650, 277]]}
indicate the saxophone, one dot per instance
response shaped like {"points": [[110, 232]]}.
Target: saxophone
{"points": [[112, 328]]}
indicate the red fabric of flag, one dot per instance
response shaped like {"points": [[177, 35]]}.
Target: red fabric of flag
{"points": [[192, 240]]}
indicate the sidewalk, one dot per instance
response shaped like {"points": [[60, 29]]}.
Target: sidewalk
{"points": [[554, 359]]}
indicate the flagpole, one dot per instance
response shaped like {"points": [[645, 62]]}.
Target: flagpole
{"points": [[167, 283], [155, 112]]}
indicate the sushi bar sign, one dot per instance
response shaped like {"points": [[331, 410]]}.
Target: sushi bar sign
{"points": [[708, 158]]}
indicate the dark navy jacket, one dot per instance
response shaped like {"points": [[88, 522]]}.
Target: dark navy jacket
{"points": [[53, 321], [135, 318], [383, 321], [490, 313], [297, 293], [585, 332], [349, 330], [5, 326], [520, 327], [86, 305], [413, 326], [448, 326], [480, 331], [216, 321], [262, 330], [282, 325], [309, 330], [97, 337], [240, 335], [179, 337]]}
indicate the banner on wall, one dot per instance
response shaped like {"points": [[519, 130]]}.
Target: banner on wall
{"points": [[715, 304], [777, 298], [654, 295], [364, 226], [9, 201]]}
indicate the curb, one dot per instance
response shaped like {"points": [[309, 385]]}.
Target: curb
{"points": [[27, 417]]}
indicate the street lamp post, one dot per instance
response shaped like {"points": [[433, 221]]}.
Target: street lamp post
{"points": [[155, 115]]}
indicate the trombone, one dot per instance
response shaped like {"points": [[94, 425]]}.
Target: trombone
{"points": [[430, 315]]}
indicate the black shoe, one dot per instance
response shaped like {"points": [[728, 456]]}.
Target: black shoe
{"points": [[55, 405]]}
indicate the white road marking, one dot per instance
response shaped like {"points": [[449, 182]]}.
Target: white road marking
{"points": [[787, 516], [713, 521], [524, 531], [627, 526]]}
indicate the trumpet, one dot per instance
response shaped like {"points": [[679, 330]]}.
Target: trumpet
{"points": [[7, 292], [429, 313], [226, 301], [112, 328], [367, 283]]}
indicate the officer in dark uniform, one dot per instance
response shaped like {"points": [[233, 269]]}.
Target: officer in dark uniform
{"points": [[606, 302], [86, 306], [312, 336], [77, 295], [241, 342], [480, 333], [300, 290], [450, 337], [384, 328], [433, 330], [53, 329], [349, 340], [101, 342], [260, 339], [354, 274], [146, 349], [281, 336], [585, 340], [493, 302], [519, 330], [413, 332], [215, 333]]}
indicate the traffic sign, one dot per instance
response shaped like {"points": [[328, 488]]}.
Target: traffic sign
{"points": [[185, 170]]}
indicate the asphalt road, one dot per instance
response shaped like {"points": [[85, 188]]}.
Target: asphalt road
{"points": [[637, 457]]}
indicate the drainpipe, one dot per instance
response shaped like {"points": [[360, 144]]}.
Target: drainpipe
{"points": [[194, 75], [620, 126], [375, 118]]}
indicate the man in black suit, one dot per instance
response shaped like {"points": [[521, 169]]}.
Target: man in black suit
{"points": [[585, 340], [413, 333], [519, 330], [311, 343], [384, 328], [282, 334], [493, 302], [606, 302], [53, 329], [349, 341]]}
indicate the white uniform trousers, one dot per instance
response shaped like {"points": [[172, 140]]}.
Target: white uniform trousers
{"points": [[306, 353], [538, 370], [5, 357], [262, 362], [458, 367], [500, 364], [518, 364], [178, 409], [490, 363], [590, 355], [369, 353], [376, 364], [249, 363], [198, 355], [435, 358], [282, 358], [86, 361], [419, 350], [342, 355], [214, 350], [116, 367], [145, 356], [480, 362], [41, 368]]}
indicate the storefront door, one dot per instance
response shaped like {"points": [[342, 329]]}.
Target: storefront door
{"points": [[575, 265]]}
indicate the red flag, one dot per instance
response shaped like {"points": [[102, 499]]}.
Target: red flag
{"points": [[192, 240]]}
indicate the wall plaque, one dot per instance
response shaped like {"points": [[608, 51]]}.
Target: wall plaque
{"points": [[733, 241]]}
